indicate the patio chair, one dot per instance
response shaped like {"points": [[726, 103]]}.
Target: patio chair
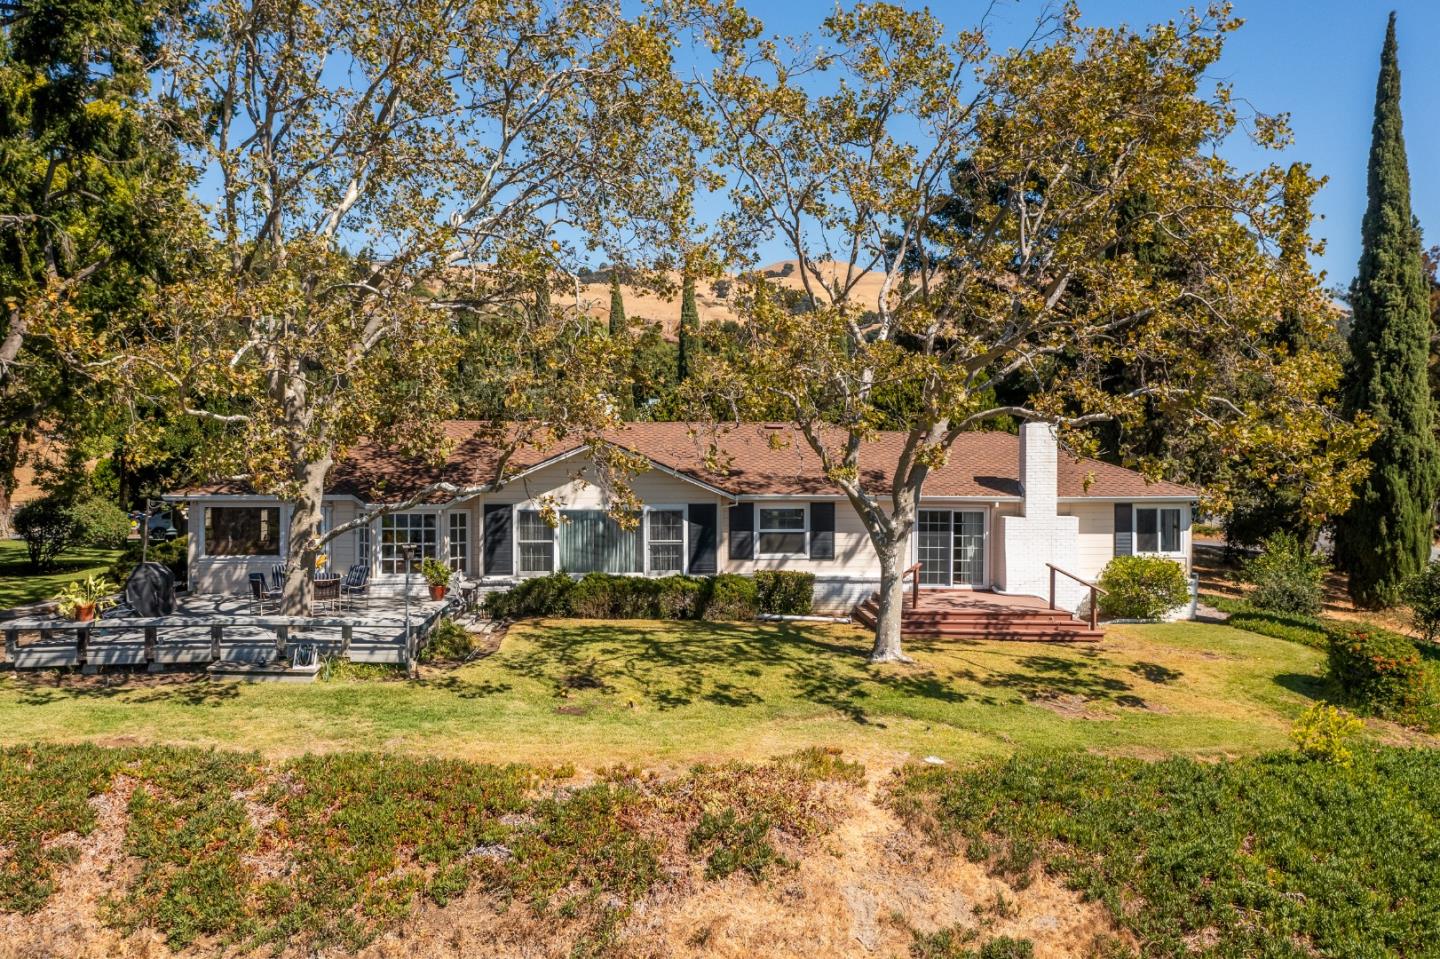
{"points": [[261, 595], [356, 583], [326, 593], [277, 577]]}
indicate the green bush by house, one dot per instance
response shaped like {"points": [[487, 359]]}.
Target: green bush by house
{"points": [[174, 554], [785, 593], [1142, 587], [1381, 673], [606, 596], [1287, 576]]}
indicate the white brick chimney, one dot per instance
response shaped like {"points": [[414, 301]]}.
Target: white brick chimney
{"points": [[1038, 477], [1038, 535]]}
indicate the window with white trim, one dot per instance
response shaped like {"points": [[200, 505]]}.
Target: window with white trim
{"points": [[458, 543], [665, 540], [535, 542], [398, 530], [1157, 529], [242, 530], [362, 545], [782, 531]]}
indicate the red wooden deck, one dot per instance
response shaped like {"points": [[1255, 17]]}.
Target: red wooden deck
{"points": [[978, 614]]}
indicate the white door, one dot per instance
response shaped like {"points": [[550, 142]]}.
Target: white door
{"points": [[950, 547]]}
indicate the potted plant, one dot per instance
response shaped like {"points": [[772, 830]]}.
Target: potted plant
{"points": [[82, 599], [437, 576]]}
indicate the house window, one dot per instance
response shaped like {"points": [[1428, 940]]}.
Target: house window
{"points": [[593, 541], [665, 535], [1157, 530], [362, 545], [399, 530], [242, 531], [459, 542], [536, 542], [782, 531]]}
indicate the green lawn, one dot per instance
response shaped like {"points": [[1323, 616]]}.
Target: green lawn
{"points": [[597, 693], [20, 585]]}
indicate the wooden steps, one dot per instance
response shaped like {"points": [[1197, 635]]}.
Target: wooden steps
{"points": [[957, 614]]}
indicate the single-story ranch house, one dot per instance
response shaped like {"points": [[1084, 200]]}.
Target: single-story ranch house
{"points": [[992, 518]]}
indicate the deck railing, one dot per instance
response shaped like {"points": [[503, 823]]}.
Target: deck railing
{"points": [[152, 633], [1095, 593], [914, 573]]}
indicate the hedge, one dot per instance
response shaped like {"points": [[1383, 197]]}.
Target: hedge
{"points": [[606, 596], [1381, 673]]}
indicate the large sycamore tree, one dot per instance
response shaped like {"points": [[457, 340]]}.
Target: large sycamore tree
{"points": [[385, 173], [1000, 199]]}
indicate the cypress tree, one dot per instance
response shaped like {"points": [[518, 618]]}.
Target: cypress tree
{"points": [[689, 323], [617, 306], [1385, 537]]}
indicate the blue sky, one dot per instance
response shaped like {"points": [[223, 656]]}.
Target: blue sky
{"points": [[1314, 59]]}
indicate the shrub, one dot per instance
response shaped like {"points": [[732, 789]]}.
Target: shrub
{"points": [[679, 597], [48, 528], [1381, 674], [1287, 577], [100, 523], [609, 596], [1422, 594], [541, 596], [174, 554], [731, 597], [784, 592], [448, 641], [1142, 587], [1323, 732]]}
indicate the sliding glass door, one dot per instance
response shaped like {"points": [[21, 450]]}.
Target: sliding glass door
{"points": [[950, 547]]}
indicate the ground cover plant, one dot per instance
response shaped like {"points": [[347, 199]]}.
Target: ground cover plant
{"points": [[568, 691], [323, 852], [1272, 856]]}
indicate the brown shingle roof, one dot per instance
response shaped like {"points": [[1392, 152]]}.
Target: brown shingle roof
{"points": [[756, 459]]}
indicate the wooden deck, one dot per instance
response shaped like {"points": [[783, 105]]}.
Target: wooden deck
{"points": [[980, 614], [216, 629]]}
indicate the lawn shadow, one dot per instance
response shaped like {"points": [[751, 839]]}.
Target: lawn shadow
{"points": [[1156, 673], [464, 688], [672, 665], [678, 664], [197, 690], [1311, 687]]}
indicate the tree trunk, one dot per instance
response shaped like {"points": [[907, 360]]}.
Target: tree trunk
{"points": [[892, 600], [303, 536], [9, 463]]}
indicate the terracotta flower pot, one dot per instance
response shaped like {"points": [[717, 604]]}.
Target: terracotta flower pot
{"points": [[85, 613], [437, 593]]}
